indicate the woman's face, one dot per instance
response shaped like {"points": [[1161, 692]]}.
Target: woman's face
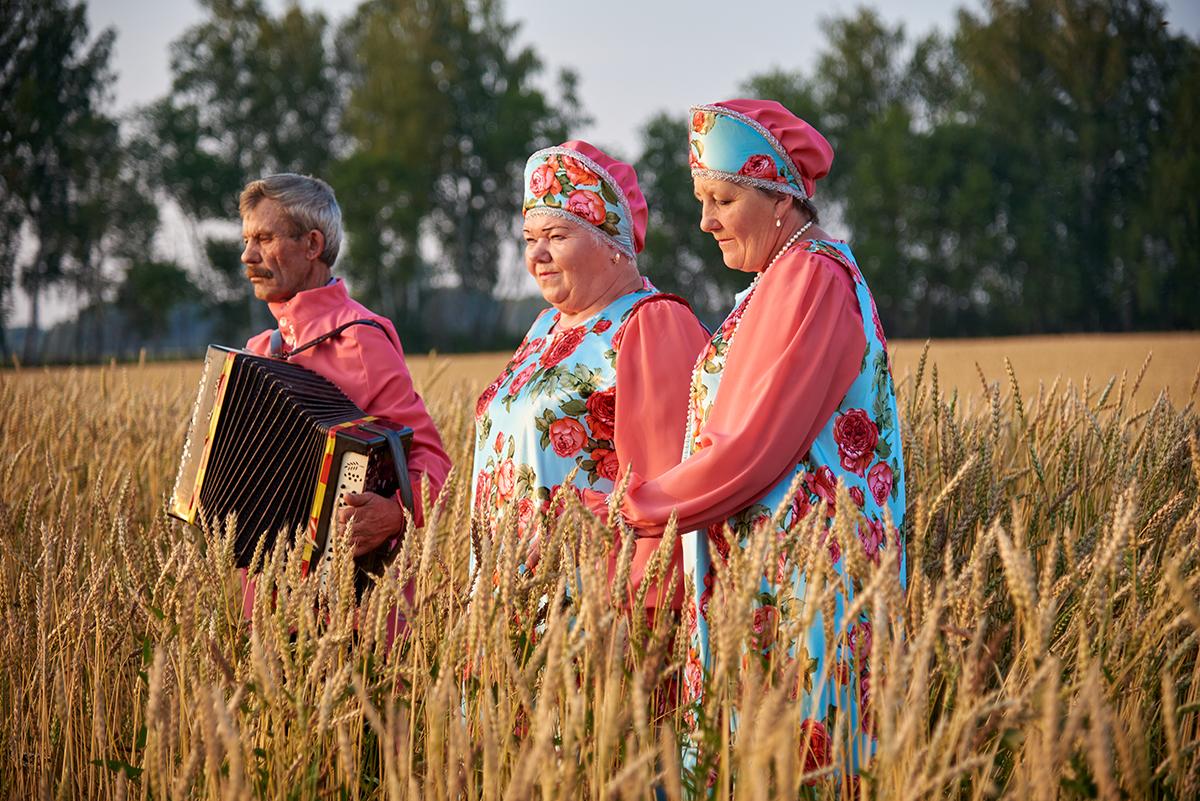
{"points": [[742, 220], [571, 268]]}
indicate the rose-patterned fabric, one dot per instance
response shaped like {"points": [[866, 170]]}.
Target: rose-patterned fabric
{"points": [[859, 445], [555, 408], [566, 182], [757, 143]]}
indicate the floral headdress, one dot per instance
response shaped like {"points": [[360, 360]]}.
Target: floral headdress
{"points": [[566, 183], [757, 143]]}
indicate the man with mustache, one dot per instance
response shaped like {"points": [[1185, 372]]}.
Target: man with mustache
{"points": [[292, 232]]}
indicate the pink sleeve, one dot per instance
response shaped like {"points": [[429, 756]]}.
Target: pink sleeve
{"points": [[654, 371], [659, 345], [260, 343], [390, 395], [795, 354]]}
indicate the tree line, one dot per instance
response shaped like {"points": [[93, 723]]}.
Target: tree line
{"points": [[1034, 170]]}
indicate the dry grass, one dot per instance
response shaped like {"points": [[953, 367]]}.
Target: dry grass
{"points": [[1047, 646]]}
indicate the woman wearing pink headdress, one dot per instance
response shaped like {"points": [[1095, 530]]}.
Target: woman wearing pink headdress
{"points": [[597, 384], [792, 396]]}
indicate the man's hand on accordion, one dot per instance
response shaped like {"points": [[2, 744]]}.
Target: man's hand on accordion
{"points": [[376, 519]]}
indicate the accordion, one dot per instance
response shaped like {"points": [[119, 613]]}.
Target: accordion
{"points": [[277, 446]]}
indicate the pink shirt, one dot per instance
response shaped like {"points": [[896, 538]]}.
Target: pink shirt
{"points": [[366, 364], [654, 370], [795, 354]]}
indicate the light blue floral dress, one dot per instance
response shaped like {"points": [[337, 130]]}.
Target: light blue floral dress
{"points": [[860, 445], [551, 411]]}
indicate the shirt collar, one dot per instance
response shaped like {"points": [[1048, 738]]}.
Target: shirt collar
{"points": [[309, 304]]}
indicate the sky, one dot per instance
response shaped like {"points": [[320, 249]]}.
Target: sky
{"points": [[634, 58]]}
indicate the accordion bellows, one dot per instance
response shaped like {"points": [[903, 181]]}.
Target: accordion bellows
{"points": [[275, 446]]}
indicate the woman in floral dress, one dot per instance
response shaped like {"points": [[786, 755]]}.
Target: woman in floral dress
{"points": [[597, 384], [793, 390]]}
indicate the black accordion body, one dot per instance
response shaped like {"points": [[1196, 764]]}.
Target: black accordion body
{"points": [[277, 445]]}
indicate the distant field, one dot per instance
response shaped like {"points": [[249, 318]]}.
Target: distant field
{"points": [[1174, 365]]}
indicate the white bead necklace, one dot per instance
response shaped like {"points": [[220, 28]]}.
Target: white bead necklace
{"points": [[693, 396]]}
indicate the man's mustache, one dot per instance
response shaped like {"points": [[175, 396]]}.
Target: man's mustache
{"points": [[259, 274]]}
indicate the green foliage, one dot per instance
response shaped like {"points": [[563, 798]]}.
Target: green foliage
{"points": [[53, 136], [442, 114], [1036, 171], [148, 293]]}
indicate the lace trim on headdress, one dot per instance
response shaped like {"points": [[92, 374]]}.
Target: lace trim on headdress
{"points": [[746, 180], [771, 140], [601, 237], [622, 201]]}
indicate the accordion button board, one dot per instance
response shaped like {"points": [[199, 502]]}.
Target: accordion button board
{"points": [[271, 450]]}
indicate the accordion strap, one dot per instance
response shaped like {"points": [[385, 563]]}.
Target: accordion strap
{"points": [[278, 351], [396, 444]]}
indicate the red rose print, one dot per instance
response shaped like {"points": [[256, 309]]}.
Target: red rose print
{"points": [[693, 678], [765, 620], [587, 205], [563, 345], [716, 535], [602, 413], [871, 538], [578, 173], [856, 495], [782, 568], [860, 639], [618, 337], [506, 479], [606, 463], [760, 166], [835, 547], [864, 702], [525, 515], [601, 326], [817, 755], [706, 594], [698, 121], [856, 436], [800, 505], [483, 490], [824, 484], [527, 348], [879, 481], [499, 446], [488, 395], [521, 379], [543, 182], [567, 436], [558, 497]]}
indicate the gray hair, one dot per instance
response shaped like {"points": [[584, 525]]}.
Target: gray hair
{"points": [[309, 203], [803, 203]]}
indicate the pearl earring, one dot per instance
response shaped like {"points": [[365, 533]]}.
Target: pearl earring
{"points": [[778, 223]]}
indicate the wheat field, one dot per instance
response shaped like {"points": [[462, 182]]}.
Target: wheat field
{"points": [[1046, 647]]}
